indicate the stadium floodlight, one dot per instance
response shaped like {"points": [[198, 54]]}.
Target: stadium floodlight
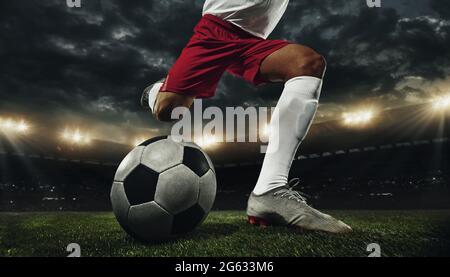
{"points": [[8, 124], [13, 126], [22, 127], [76, 137], [358, 118], [206, 141], [441, 103], [138, 141], [266, 131]]}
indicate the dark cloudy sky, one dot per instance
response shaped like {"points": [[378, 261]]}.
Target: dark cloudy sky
{"points": [[65, 67]]}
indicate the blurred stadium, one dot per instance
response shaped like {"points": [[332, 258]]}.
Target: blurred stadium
{"points": [[394, 159], [386, 173]]}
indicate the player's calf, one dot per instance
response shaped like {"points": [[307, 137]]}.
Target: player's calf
{"points": [[302, 68], [167, 102], [161, 103]]}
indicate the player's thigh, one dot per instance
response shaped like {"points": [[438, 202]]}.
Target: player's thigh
{"points": [[167, 102], [291, 61]]}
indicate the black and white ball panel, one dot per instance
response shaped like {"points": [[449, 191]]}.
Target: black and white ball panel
{"points": [[140, 185], [193, 145], [207, 185], [188, 219], [130, 162], [195, 160], [160, 226], [120, 203], [172, 193], [162, 155]]}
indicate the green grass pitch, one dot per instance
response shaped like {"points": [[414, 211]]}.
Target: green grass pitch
{"points": [[226, 233]]}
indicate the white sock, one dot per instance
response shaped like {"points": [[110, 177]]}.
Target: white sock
{"points": [[153, 94], [290, 123]]}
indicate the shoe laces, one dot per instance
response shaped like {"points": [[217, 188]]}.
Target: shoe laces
{"points": [[292, 194]]}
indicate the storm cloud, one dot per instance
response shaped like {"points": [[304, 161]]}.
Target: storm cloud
{"points": [[87, 65]]}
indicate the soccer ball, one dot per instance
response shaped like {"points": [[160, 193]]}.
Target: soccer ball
{"points": [[163, 189]]}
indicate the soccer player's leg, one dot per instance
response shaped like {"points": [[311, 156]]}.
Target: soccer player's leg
{"points": [[162, 103], [195, 74], [273, 200]]}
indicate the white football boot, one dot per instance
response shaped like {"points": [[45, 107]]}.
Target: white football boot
{"points": [[286, 207]]}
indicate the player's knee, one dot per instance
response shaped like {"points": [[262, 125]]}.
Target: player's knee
{"points": [[308, 63]]}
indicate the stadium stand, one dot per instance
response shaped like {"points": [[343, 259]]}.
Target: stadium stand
{"points": [[401, 161]]}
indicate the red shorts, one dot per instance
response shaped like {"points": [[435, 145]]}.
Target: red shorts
{"points": [[218, 46]]}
